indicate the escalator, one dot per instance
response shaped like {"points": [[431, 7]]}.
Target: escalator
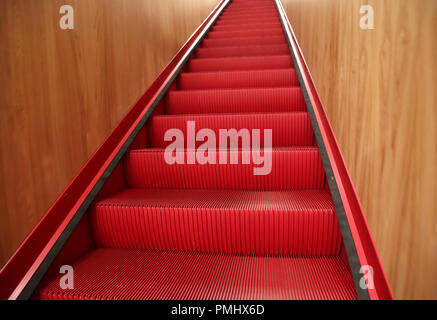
{"points": [[144, 228]]}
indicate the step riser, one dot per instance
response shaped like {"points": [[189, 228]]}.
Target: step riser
{"points": [[249, 51], [285, 170], [257, 26], [273, 233], [238, 23], [236, 101], [249, 12], [237, 80], [215, 43], [246, 63], [287, 129], [242, 34], [248, 17], [246, 6], [245, 15]]}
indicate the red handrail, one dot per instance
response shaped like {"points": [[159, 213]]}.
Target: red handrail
{"points": [[364, 244], [17, 272]]}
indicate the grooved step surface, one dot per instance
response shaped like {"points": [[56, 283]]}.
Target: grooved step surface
{"points": [[239, 22], [240, 63], [288, 129], [246, 51], [238, 79], [293, 168], [245, 33], [287, 223], [247, 16], [245, 6], [136, 274], [241, 12], [232, 42], [249, 26], [235, 100]]}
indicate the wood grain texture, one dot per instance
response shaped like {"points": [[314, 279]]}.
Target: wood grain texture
{"points": [[62, 91], [379, 90]]}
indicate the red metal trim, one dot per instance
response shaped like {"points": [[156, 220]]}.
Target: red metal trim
{"points": [[365, 246], [22, 265]]}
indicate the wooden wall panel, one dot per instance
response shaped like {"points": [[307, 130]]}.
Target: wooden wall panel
{"points": [[379, 90], [62, 91]]}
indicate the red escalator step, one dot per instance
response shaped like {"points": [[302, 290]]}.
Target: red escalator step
{"points": [[237, 7], [238, 12], [255, 4], [249, 7], [237, 22], [233, 42], [243, 51], [245, 33], [238, 79], [286, 223], [290, 169], [120, 274], [243, 17], [235, 100], [249, 16], [288, 129], [250, 2], [249, 26], [240, 63]]}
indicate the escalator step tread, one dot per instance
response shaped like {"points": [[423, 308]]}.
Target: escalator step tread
{"points": [[240, 63], [139, 274], [243, 51], [232, 42], [285, 223], [235, 100], [288, 129], [238, 79], [288, 169]]}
